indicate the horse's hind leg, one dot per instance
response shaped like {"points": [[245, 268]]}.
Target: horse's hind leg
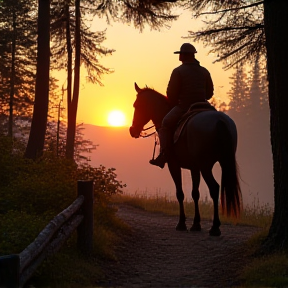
{"points": [[214, 193], [195, 174], [175, 172]]}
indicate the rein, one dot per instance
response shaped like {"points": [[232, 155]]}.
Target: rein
{"points": [[148, 135]]}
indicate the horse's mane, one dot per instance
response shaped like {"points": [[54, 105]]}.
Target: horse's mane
{"points": [[154, 95]]}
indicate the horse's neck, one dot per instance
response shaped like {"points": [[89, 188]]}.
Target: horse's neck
{"points": [[157, 121], [159, 112]]}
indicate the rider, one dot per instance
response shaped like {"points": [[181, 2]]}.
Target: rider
{"points": [[189, 83]]}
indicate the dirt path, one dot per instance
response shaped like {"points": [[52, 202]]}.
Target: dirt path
{"points": [[154, 254]]}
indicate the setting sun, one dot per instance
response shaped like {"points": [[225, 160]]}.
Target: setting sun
{"points": [[116, 118]]}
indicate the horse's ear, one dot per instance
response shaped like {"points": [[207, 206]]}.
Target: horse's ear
{"points": [[137, 87]]}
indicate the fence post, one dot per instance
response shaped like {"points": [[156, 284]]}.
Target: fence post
{"points": [[85, 229], [9, 271]]}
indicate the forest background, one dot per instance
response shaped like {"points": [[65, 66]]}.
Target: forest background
{"points": [[246, 103], [236, 37]]}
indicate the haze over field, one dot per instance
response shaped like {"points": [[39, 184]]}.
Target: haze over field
{"points": [[130, 159]]}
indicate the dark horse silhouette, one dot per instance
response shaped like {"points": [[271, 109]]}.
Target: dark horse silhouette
{"points": [[207, 138]]}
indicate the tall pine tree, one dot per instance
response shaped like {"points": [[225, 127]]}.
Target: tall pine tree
{"points": [[74, 40], [239, 92], [17, 59], [249, 109]]}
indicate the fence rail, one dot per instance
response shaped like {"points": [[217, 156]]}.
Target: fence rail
{"points": [[15, 270]]}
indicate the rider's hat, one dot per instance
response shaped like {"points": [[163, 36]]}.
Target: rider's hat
{"points": [[186, 48]]}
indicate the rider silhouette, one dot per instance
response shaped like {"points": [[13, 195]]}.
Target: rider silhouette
{"points": [[189, 83]]}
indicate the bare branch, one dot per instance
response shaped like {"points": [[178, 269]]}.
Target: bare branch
{"points": [[211, 31], [232, 9]]}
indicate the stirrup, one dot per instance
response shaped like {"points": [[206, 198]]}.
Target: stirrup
{"points": [[159, 161]]}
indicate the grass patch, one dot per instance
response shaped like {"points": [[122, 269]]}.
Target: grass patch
{"points": [[267, 271], [253, 215], [69, 269]]}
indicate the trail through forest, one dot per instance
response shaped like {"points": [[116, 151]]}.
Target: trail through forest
{"points": [[154, 254]]}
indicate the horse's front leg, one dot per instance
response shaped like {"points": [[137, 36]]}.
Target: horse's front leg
{"points": [[175, 172], [195, 174]]}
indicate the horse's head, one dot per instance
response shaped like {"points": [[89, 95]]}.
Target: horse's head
{"points": [[141, 113], [149, 105]]}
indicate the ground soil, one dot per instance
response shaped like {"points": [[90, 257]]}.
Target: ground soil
{"points": [[154, 254]]}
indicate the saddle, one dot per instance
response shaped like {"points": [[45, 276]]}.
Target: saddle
{"points": [[193, 110]]}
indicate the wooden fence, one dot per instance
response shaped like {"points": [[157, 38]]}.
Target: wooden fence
{"points": [[15, 270]]}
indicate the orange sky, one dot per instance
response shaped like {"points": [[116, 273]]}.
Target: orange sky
{"points": [[146, 58]]}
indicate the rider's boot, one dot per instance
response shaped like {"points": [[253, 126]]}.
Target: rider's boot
{"points": [[159, 161], [165, 138]]}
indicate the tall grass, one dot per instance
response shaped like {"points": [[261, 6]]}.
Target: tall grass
{"points": [[254, 214], [69, 269]]}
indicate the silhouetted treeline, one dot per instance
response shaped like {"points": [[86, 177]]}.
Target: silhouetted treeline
{"points": [[40, 36], [250, 110]]}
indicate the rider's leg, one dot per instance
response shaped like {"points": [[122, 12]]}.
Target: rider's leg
{"points": [[165, 133]]}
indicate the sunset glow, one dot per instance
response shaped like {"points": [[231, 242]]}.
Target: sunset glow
{"points": [[116, 118], [117, 92]]}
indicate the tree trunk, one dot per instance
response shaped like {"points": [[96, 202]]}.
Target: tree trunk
{"points": [[69, 76], [73, 105], [36, 140], [12, 77], [276, 31]]}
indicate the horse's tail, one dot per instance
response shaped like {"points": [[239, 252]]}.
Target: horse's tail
{"points": [[231, 196]]}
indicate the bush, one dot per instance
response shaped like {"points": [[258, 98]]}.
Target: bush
{"points": [[48, 184], [18, 230], [33, 192]]}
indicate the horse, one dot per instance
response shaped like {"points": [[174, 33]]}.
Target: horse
{"points": [[207, 138]]}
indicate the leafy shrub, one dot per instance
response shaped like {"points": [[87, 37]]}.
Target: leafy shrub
{"points": [[33, 192], [267, 271], [18, 230]]}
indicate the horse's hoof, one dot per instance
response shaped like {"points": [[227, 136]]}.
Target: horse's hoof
{"points": [[181, 227], [214, 231], [195, 227]]}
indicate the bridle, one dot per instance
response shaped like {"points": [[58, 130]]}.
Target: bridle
{"points": [[145, 135]]}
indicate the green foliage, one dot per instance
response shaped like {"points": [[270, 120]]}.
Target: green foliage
{"points": [[48, 184], [39, 187], [32, 193], [264, 269], [18, 230], [268, 271], [73, 270], [105, 181], [17, 58]]}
